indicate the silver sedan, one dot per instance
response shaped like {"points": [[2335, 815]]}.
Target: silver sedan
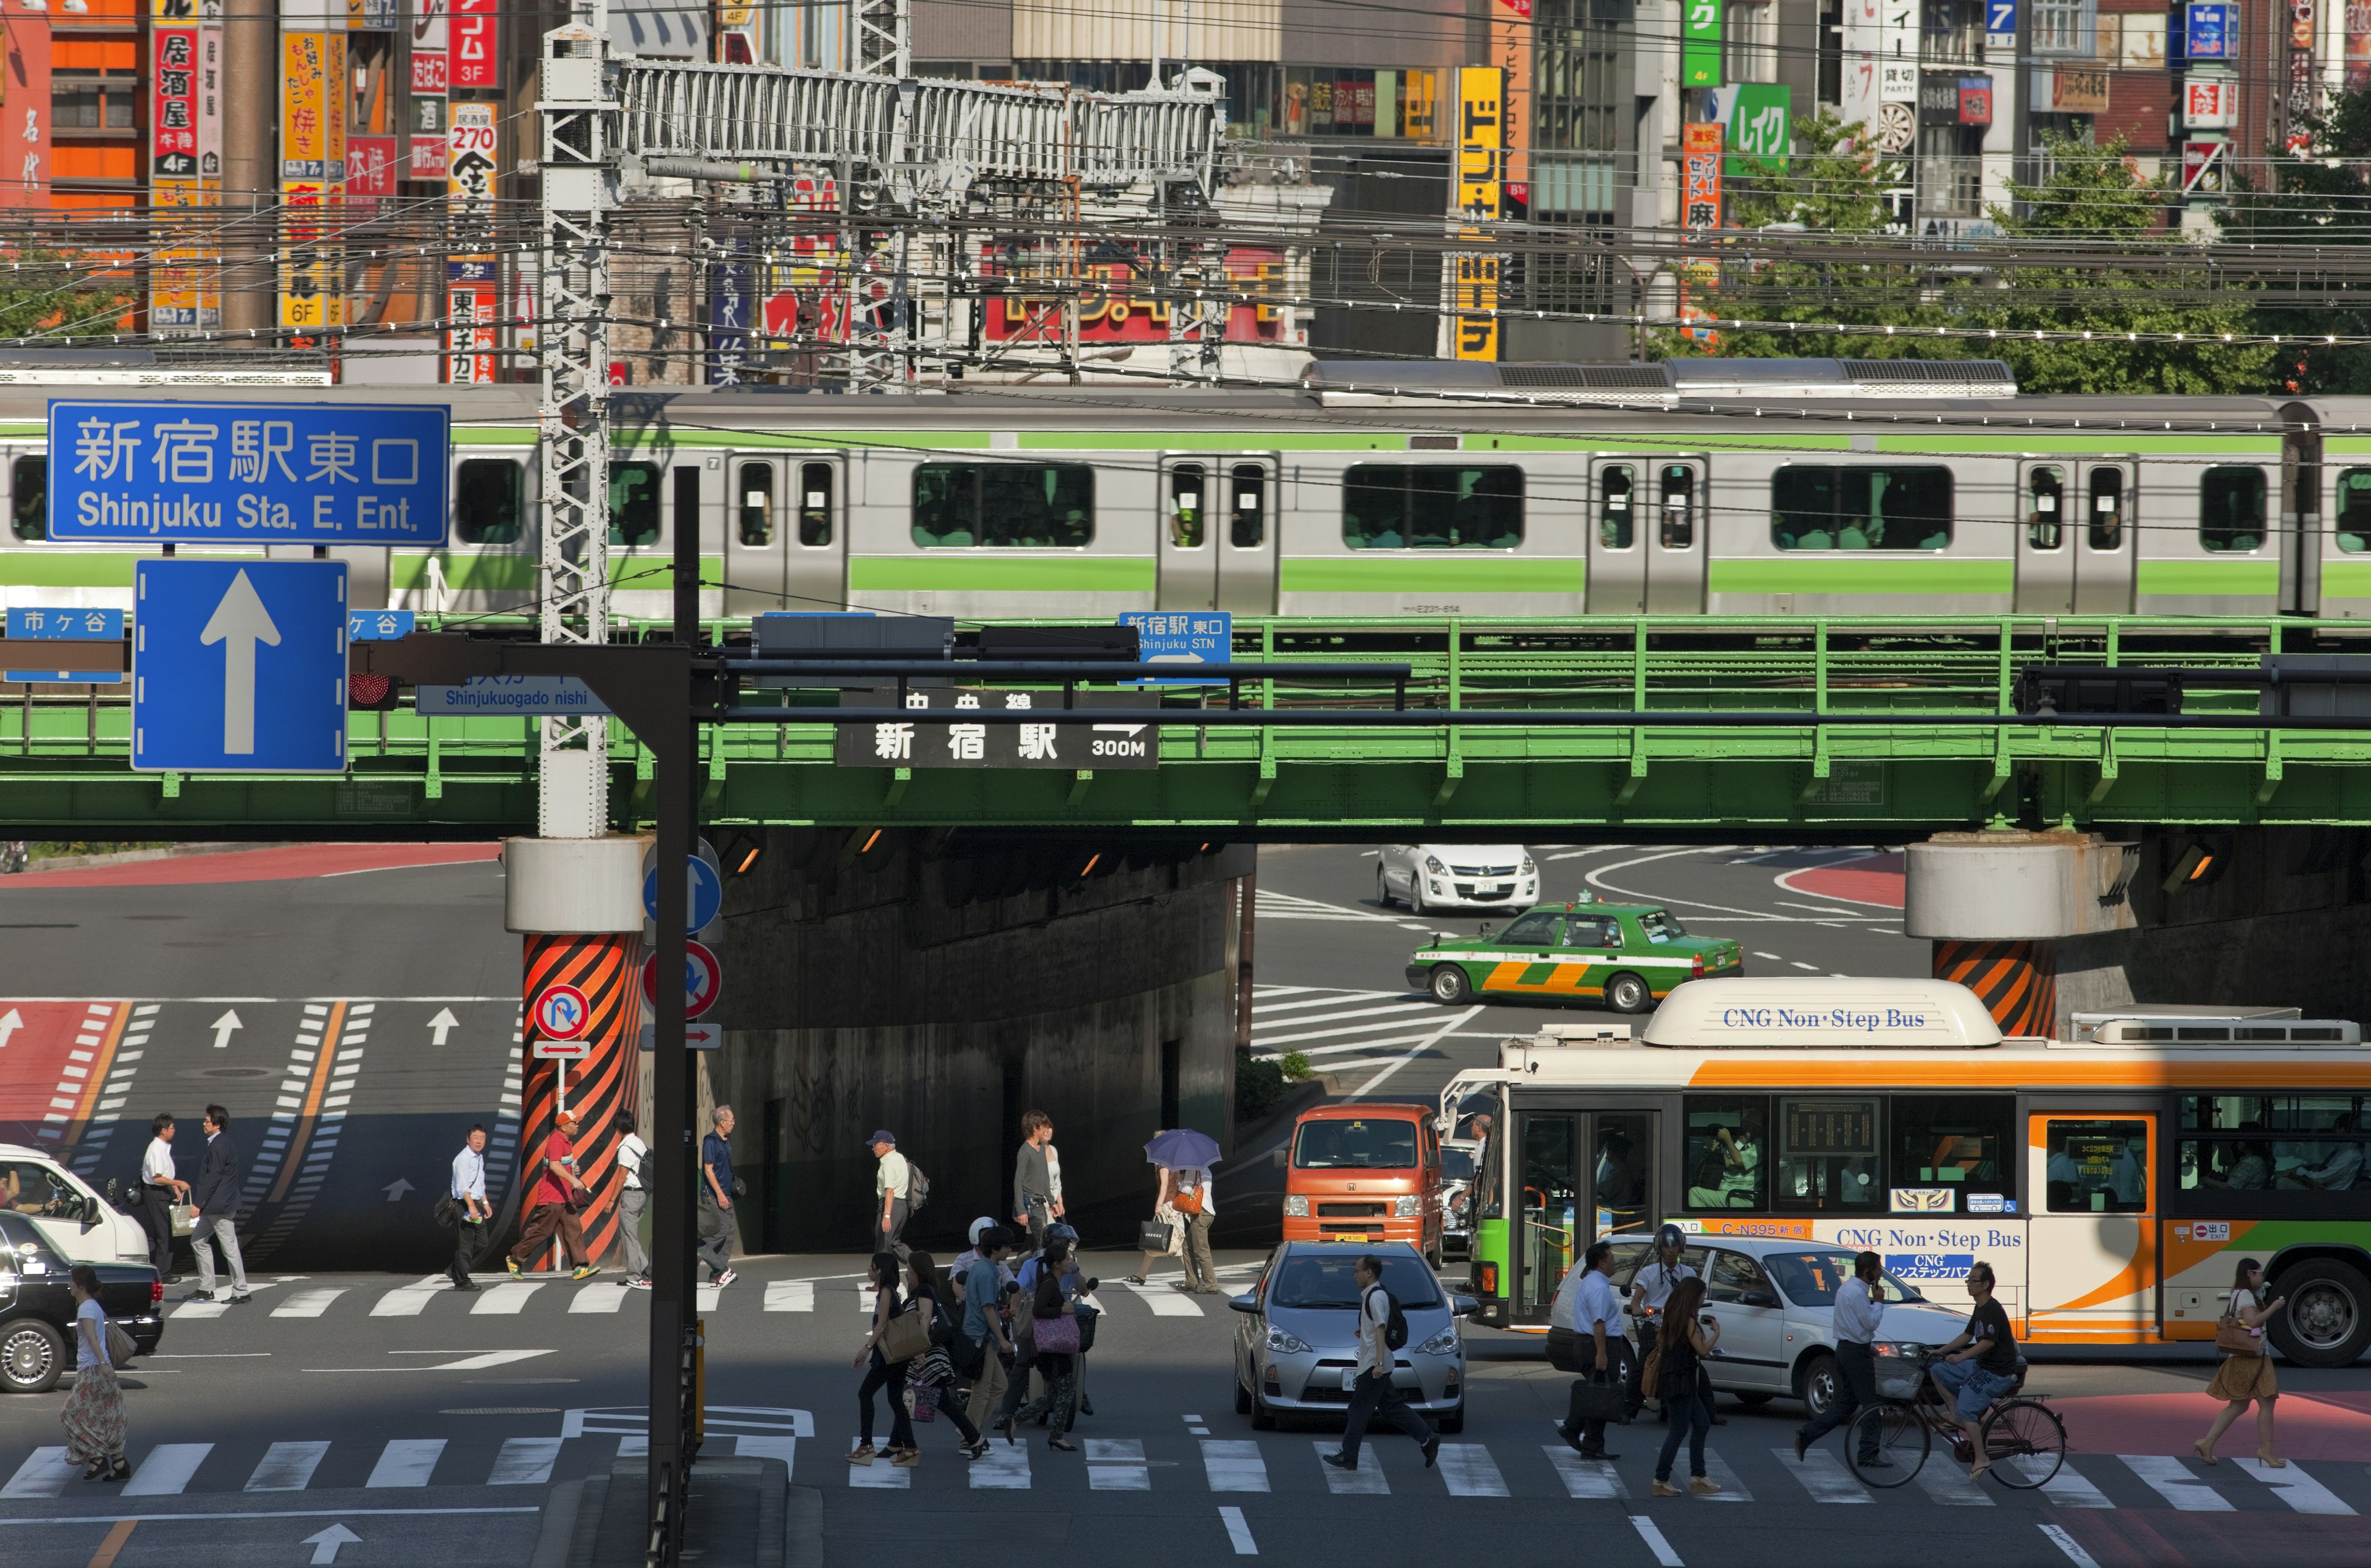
{"points": [[1296, 1349]]}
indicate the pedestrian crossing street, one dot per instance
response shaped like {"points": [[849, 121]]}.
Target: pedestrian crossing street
{"points": [[1341, 1031]]}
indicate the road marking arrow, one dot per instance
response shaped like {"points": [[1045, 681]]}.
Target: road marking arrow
{"points": [[223, 1026], [238, 623], [396, 1189], [9, 1023], [443, 1024], [325, 1545]]}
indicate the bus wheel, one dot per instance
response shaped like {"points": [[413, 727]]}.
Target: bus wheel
{"points": [[1450, 984], [2328, 1319], [1628, 994]]}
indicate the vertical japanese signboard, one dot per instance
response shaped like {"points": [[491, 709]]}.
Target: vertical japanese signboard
{"points": [[313, 94], [1856, 93], [473, 283], [2358, 45], [174, 177], [24, 111], [1700, 43], [1511, 33], [1700, 148], [475, 37], [1481, 173], [423, 129]]}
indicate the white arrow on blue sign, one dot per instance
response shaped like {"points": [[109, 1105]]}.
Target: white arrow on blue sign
{"points": [[704, 891], [239, 666]]}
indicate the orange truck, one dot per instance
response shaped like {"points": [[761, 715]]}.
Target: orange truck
{"points": [[1359, 1172]]}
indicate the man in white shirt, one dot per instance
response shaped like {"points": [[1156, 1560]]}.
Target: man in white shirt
{"points": [[892, 1180], [158, 1193], [2341, 1164], [469, 1192], [1859, 1308], [1591, 1311], [634, 1195], [1375, 1391]]}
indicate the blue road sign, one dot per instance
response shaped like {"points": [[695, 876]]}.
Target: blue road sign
{"points": [[36, 623], [379, 626], [249, 473], [1182, 636], [239, 666], [705, 888]]}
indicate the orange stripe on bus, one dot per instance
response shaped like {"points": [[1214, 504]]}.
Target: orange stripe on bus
{"points": [[1970, 1070]]}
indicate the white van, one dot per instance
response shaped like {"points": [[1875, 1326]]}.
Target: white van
{"points": [[69, 1213]]}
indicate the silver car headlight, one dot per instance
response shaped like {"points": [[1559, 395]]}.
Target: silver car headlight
{"points": [[1442, 1343], [1531, 868], [1407, 1206], [1432, 863], [1296, 1205], [1282, 1344]]}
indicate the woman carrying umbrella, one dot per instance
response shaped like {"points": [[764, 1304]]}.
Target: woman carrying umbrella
{"points": [[1184, 1204]]}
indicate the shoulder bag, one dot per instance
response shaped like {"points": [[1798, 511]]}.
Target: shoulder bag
{"points": [[1058, 1335], [120, 1347], [904, 1336], [2233, 1337]]}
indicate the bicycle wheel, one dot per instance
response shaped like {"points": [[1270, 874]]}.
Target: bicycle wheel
{"points": [[2024, 1441], [1900, 1438]]}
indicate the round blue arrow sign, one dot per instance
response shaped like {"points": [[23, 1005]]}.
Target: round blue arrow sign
{"points": [[705, 893]]}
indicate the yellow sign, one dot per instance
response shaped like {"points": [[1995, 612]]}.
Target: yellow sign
{"points": [[1481, 177]]}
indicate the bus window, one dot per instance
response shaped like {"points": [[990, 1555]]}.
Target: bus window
{"points": [[1827, 1154], [2290, 1143], [1626, 1156], [1723, 1159], [815, 505], [1960, 1141], [489, 502], [28, 498], [2097, 1166]]}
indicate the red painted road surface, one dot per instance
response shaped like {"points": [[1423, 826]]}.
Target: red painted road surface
{"points": [[2308, 1426], [1877, 879], [288, 864], [45, 1063]]}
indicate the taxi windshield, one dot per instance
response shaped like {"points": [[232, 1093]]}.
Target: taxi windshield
{"points": [[1308, 1281], [1661, 926], [1810, 1279], [1367, 1144]]}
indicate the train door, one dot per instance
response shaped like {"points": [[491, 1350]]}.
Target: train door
{"points": [[2104, 551], [2300, 512], [785, 533], [489, 561], [1245, 536], [1580, 1175], [1617, 557], [2046, 547], [2091, 1251], [1188, 556], [1217, 545], [1675, 547]]}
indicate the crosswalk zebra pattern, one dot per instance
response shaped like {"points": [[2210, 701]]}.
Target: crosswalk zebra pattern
{"points": [[1342, 1030]]}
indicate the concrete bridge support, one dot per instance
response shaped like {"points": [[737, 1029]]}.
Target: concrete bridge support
{"points": [[939, 985]]}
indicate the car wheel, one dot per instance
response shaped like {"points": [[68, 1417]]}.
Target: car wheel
{"points": [[1818, 1384], [1416, 895], [1450, 985], [1625, 992], [1453, 1423], [1263, 1418], [1243, 1399], [32, 1357], [2328, 1319], [1382, 890]]}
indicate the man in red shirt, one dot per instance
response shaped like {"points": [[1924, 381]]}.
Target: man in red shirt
{"points": [[553, 1205]]}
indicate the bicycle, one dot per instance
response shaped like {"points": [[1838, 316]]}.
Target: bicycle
{"points": [[2024, 1440]]}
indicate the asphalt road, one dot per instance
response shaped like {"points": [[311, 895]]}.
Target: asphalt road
{"points": [[371, 1403]]}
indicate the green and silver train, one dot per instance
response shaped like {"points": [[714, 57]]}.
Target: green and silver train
{"points": [[1083, 502]]}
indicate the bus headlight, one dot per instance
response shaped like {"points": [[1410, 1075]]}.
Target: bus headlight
{"points": [[1296, 1206]]}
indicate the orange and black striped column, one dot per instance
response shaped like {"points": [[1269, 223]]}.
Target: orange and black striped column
{"points": [[2017, 982], [607, 969]]}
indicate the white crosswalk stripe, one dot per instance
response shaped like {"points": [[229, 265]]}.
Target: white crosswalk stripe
{"points": [[750, 1446], [2070, 1488], [505, 1300], [43, 1474], [406, 1461], [288, 1467], [2172, 1480], [1231, 1465], [1947, 1485], [1470, 1471], [878, 1471], [1117, 1464], [1732, 1489], [524, 1462], [599, 1297], [1822, 1475], [168, 1470], [2294, 1487], [1163, 1299], [1367, 1481], [790, 1296], [1321, 1024], [307, 1304], [1005, 1468], [1589, 1479], [410, 1301]]}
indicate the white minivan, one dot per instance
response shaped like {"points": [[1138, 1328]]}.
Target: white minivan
{"points": [[70, 1216]]}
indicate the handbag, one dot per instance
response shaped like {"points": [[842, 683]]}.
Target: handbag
{"points": [[120, 1347], [185, 1218], [1595, 1401], [1058, 1335], [447, 1211], [1186, 1200], [2233, 1337], [1153, 1236], [904, 1337]]}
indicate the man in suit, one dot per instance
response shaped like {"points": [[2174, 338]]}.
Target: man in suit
{"points": [[215, 1197]]}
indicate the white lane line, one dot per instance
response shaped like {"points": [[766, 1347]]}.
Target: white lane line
{"points": [[44, 1473], [1821, 1476], [307, 1303], [1266, 991], [477, 1363], [1830, 914], [2173, 1481], [1232, 1464], [408, 1461], [193, 1310], [288, 1467], [798, 1296], [1005, 1468], [1470, 1470], [866, 1300], [706, 1296], [878, 1472], [598, 1297], [635, 1445], [1773, 958], [1947, 1485], [1117, 1464], [1239, 1534], [503, 1300], [1589, 1479], [1652, 1534], [1271, 1042], [1331, 999], [1163, 1299], [1799, 965], [524, 1462], [2066, 1543], [167, 1470], [1377, 1081], [2296, 1488], [753, 1447], [1732, 1489], [1367, 1481], [1385, 1044]]}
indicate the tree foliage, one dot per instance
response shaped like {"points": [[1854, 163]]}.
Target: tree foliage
{"points": [[2321, 197], [49, 293]]}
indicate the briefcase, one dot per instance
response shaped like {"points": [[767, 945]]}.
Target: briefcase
{"points": [[1595, 1401]]}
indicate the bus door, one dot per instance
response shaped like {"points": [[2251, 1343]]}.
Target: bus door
{"points": [[2100, 520], [2091, 1246], [785, 535], [2045, 540], [1579, 1175]]}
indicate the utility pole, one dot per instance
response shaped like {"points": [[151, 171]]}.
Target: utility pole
{"points": [[251, 177]]}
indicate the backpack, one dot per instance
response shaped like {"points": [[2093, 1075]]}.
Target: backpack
{"points": [[918, 1189], [1395, 1323]]}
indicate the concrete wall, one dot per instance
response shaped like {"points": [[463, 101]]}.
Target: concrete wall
{"points": [[939, 985]]}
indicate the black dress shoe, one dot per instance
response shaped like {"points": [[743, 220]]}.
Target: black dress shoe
{"points": [[1431, 1452], [1598, 1454], [1572, 1439], [1718, 1419], [1340, 1461], [465, 1285], [172, 1279]]}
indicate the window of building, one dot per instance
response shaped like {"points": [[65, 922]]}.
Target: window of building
{"points": [[28, 498], [1816, 507], [1828, 1154], [2231, 509], [2064, 27], [634, 504], [489, 502], [1951, 171], [1723, 1159], [1004, 505], [1954, 33], [1749, 40], [1965, 1142], [815, 505], [1388, 506], [92, 100]]}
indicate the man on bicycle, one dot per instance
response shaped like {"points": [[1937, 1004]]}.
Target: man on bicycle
{"points": [[1978, 1366]]}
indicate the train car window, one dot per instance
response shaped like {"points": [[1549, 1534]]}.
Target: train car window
{"points": [[1248, 528], [28, 498], [1185, 482], [2107, 531], [1677, 528], [2231, 509], [2045, 508], [1023, 505], [1386, 506], [755, 510], [815, 505], [634, 504], [489, 502], [2352, 524], [1815, 507], [1617, 529]]}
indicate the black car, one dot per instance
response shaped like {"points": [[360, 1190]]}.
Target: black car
{"points": [[37, 1307]]}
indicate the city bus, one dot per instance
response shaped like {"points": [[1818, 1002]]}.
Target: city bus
{"points": [[2112, 1179]]}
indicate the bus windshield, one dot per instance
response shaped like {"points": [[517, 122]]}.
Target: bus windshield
{"points": [[1660, 925], [1810, 1279], [1380, 1144], [1326, 1280]]}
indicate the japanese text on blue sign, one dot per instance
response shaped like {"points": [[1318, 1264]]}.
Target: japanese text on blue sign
{"points": [[263, 473], [66, 624], [2207, 30], [1182, 636]]}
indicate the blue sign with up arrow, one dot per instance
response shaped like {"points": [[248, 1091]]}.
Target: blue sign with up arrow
{"points": [[239, 666]]}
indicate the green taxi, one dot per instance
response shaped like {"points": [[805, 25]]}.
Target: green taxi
{"points": [[1628, 955]]}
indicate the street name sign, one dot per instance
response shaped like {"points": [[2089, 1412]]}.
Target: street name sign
{"points": [[938, 735], [249, 473], [238, 666], [1183, 637], [40, 624], [379, 626], [509, 693]]}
